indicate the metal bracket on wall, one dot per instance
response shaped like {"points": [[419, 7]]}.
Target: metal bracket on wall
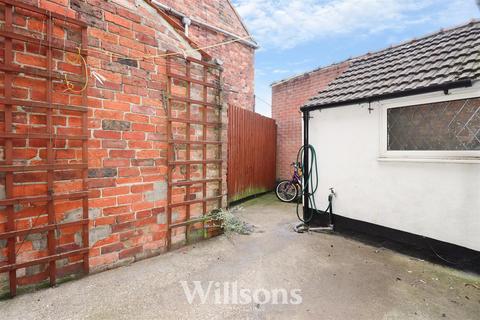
{"points": [[165, 97]]}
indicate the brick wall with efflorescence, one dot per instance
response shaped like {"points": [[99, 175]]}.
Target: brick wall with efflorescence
{"points": [[287, 98], [127, 156]]}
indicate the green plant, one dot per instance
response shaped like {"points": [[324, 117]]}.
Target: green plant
{"points": [[229, 222]]}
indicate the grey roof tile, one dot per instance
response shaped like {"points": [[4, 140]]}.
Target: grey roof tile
{"points": [[437, 59]]}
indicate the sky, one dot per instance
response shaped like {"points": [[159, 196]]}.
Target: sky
{"points": [[296, 36]]}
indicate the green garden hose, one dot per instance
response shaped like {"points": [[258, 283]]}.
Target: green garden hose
{"points": [[311, 181]]}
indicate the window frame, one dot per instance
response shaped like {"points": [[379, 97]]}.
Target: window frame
{"points": [[425, 155]]}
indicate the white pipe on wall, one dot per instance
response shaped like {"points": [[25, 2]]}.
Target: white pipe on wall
{"points": [[186, 23]]}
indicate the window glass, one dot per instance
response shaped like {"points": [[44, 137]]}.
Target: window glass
{"points": [[450, 125]]}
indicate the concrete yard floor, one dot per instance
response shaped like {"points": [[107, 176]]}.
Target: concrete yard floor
{"points": [[339, 278]]}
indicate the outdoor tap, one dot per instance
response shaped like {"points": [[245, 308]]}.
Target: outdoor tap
{"points": [[331, 195]]}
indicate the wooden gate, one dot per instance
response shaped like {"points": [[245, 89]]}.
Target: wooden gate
{"points": [[251, 153]]}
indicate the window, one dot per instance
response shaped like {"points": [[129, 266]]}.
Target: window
{"points": [[450, 125], [437, 129]]}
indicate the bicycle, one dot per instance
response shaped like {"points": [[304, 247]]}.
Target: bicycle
{"points": [[289, 190]]}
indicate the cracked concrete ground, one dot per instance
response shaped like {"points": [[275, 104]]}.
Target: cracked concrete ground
{"points": [[339, 278]]}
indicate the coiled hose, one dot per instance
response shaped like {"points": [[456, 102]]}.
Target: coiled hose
{"points": [[309, 180]]}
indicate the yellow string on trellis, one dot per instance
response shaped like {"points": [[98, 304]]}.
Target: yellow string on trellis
{"points": [[69, 84]]}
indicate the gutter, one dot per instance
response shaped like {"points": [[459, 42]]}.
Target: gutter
{"points": [[199, 23], [440, 87]]}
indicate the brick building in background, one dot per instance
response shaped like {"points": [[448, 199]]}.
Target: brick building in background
{"points": [[214, 21], [287, 97], [126, 127]]}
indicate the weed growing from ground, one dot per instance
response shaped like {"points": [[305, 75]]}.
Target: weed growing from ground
{"points": [[230, 222]]}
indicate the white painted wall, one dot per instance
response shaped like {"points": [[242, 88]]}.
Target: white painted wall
{"points": [[436, 198]]}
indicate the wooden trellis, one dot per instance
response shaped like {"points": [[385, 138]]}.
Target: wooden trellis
{"points": [[187, 182], [11, 166]]}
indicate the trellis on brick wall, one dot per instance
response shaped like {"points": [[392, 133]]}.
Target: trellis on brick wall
{"points": [[207, 76], [14, 232]]}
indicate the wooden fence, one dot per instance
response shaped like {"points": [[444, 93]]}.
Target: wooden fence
{"points": [[251, 153]]}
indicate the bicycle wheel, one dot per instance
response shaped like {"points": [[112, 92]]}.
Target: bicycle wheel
{"points": [[286, 191]]}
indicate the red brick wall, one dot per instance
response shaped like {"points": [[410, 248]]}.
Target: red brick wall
{"points": [[287, 97], [238, 59], [127, 134], [239, 65], [215, 12]]}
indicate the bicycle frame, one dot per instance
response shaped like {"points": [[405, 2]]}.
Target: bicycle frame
{"points": [[296, 178], [284, 190]]}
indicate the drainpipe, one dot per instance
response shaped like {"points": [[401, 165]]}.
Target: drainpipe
{"points": [[194, 21], [306, 214]]}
